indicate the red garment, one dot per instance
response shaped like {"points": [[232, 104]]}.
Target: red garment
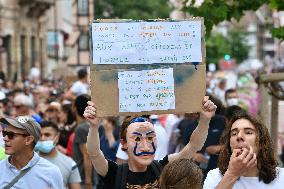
{"points": [[163, 120], [69, 151]]}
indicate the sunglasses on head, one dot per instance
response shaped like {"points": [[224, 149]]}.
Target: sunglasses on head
{"points": [[11, 134]]}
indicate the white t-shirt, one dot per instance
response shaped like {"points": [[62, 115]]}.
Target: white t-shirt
{"points": [[214, 177], [79, 88]]}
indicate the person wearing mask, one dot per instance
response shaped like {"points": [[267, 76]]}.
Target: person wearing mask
{"points": [[138, 138], [231, 97], [247, 157], [24, 168], [162, 142], [47, 149]]}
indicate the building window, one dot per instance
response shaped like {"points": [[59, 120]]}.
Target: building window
{"points": [[42, 49], [23, 55], [83, 7], [7, 45], [84, 42], [33, 51]]}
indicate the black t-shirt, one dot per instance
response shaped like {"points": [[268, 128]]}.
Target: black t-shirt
{"points": [[135, 180], [81, 133], [216, 127]]}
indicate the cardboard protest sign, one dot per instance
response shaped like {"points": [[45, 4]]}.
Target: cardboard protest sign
{"points": [[146, 67]]}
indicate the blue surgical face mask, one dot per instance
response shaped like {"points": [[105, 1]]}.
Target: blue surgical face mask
{"points": [[44, 146]]}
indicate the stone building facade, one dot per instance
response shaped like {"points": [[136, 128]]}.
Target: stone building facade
{"points": [[68, 36], [78, 40], [23, 36]]}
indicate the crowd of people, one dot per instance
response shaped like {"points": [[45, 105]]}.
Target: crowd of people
{"points": [[52, 138]]}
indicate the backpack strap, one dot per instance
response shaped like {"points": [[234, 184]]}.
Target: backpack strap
{"points": [[157, 168], [20, 175], [121, 176]]}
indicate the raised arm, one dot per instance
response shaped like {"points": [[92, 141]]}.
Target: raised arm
{"points": [[199, 135], [93, 142]]}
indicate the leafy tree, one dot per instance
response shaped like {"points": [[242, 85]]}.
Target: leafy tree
{"points": [[132, 9], [238, 46], [217, 46], [216, 11]]}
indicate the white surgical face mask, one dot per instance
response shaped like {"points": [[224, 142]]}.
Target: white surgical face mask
{"points": [[232, 101]]}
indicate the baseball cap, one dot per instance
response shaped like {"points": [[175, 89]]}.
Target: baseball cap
{"points": [[24, 122]]}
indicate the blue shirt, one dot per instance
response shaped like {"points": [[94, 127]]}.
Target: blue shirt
{"points": [[109, 152], [42, 175]]}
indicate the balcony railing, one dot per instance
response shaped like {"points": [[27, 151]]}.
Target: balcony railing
{"points": [[30, 2], [36, 8]]}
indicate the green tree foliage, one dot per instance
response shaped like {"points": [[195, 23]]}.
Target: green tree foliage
{"points": [[216, 11], [278, 33], [132, 9], [238, 45], [217, 46]]}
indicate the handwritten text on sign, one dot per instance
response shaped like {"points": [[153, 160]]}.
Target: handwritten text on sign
{"points": [[146, 90], [146, 42]]}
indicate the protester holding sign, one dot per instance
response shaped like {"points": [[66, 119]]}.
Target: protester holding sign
{"points": [[138, 138]]}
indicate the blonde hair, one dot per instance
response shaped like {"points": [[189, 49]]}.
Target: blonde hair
{"points": [[181, 174]]}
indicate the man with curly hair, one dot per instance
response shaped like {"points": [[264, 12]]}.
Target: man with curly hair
{"points": [[247, 158]]}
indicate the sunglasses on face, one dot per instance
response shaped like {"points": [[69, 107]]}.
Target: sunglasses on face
{"points": [[51, 110], [11, 134], [17, 106]]}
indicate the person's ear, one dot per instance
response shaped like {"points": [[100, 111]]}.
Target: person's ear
{"points": [[29, 140], [56, 139], [123, 144]]}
